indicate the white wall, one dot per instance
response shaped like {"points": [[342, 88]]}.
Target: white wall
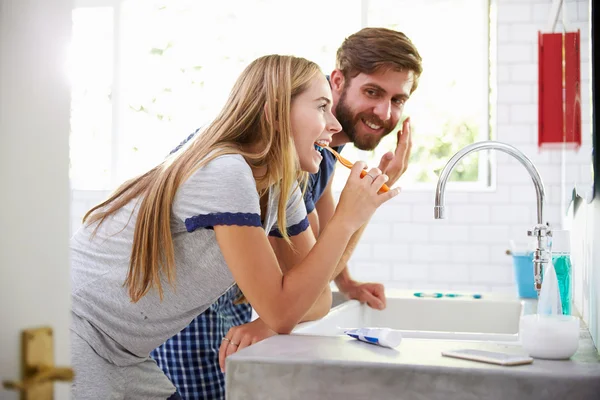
{"points": [[585, 256], [594, 278], [404, 247], [34, 159]]}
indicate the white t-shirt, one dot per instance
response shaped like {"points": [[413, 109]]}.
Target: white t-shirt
{"points": [[223, 192]]}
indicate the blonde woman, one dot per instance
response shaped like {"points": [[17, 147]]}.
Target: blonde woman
{"points": [[167, 244]]}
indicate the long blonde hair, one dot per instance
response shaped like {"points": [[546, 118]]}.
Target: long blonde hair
{"points": [[257, 114]]}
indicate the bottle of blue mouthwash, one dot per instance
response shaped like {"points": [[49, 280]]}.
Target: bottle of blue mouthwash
{"points": [[561, 259]]}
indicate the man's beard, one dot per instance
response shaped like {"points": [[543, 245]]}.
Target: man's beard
{"points": [[349, 121]]}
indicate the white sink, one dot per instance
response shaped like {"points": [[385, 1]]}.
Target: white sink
{"points": [[493, 317]]}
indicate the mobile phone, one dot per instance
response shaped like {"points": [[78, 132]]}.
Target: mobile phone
{"points": [[490, 357]]}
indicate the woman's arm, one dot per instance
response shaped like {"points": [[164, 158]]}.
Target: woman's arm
{"points": [[282, 300], [289, 256]]}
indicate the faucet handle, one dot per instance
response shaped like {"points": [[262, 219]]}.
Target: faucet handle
{"points": [[541, 255], [540, 231]]}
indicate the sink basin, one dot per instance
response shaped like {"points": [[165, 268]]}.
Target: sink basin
{"points": [[493, 317]]}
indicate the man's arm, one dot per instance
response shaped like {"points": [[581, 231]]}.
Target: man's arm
{"points": [[370, 293], [394, 165], [343, 277], [324, 209]]}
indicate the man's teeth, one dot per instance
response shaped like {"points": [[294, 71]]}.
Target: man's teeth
{"points": [[372, 125]]}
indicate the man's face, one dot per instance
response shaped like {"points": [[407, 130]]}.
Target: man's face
{"points": [[369, 106]]}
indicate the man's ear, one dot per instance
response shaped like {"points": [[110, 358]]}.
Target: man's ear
{"points": [[337, 80]]}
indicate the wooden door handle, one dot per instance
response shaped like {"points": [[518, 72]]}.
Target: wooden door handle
{"points": [[42, 375], [38, 372]]}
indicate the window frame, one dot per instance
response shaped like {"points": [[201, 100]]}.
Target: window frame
{"points": [[486, 168]]}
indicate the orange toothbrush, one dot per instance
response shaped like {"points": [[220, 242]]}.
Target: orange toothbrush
{"points": [[348, 164]]}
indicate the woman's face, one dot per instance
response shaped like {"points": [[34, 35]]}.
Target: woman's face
{"points": [[312, 121]]}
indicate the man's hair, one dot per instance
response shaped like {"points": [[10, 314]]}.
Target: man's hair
{"points": [[372, 49]]}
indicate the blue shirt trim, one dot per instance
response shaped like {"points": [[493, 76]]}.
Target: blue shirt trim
{"points": [[210, 220], [180, 145], [318, 182], [293, 230]]}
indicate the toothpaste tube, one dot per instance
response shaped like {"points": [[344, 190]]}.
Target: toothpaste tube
{"points": [[384, 337]]}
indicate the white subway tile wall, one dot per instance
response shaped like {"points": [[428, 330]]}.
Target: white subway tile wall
{"points": [[404, 247]]}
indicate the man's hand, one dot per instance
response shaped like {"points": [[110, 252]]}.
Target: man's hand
{"points": [[371, 293], [243, 336], [395, 164]]}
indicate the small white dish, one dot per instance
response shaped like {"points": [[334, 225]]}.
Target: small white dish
{"points": [[552, 337]]}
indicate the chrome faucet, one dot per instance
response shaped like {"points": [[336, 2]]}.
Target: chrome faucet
{"points": [[540, 231]]}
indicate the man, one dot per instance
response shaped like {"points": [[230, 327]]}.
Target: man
{"points": [[376, 71]]}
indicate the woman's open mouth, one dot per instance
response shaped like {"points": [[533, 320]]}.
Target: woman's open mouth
{"points": [[320, 144]]}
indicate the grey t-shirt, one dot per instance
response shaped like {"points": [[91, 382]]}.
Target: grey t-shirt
{"points": [[223, 192]]}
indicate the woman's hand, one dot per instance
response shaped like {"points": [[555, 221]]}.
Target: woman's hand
{"points": [[360, 197], [243, 336]]}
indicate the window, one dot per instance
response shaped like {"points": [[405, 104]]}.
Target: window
{"points": [[449, 109], [147, 73], [91, 75]]}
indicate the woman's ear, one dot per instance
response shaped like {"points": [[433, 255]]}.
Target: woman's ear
{"points": [[268, 112]]}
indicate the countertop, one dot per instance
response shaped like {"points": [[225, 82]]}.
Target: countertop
{"points": [[319, 367]]}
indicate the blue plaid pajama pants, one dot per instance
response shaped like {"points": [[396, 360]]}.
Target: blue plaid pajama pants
{"points": [[190, 359]]}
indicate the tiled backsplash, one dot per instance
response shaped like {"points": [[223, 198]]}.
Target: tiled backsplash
{"points": [[405, 247]]}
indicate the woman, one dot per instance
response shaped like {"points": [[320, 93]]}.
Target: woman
{"points": [[167, 244]]}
